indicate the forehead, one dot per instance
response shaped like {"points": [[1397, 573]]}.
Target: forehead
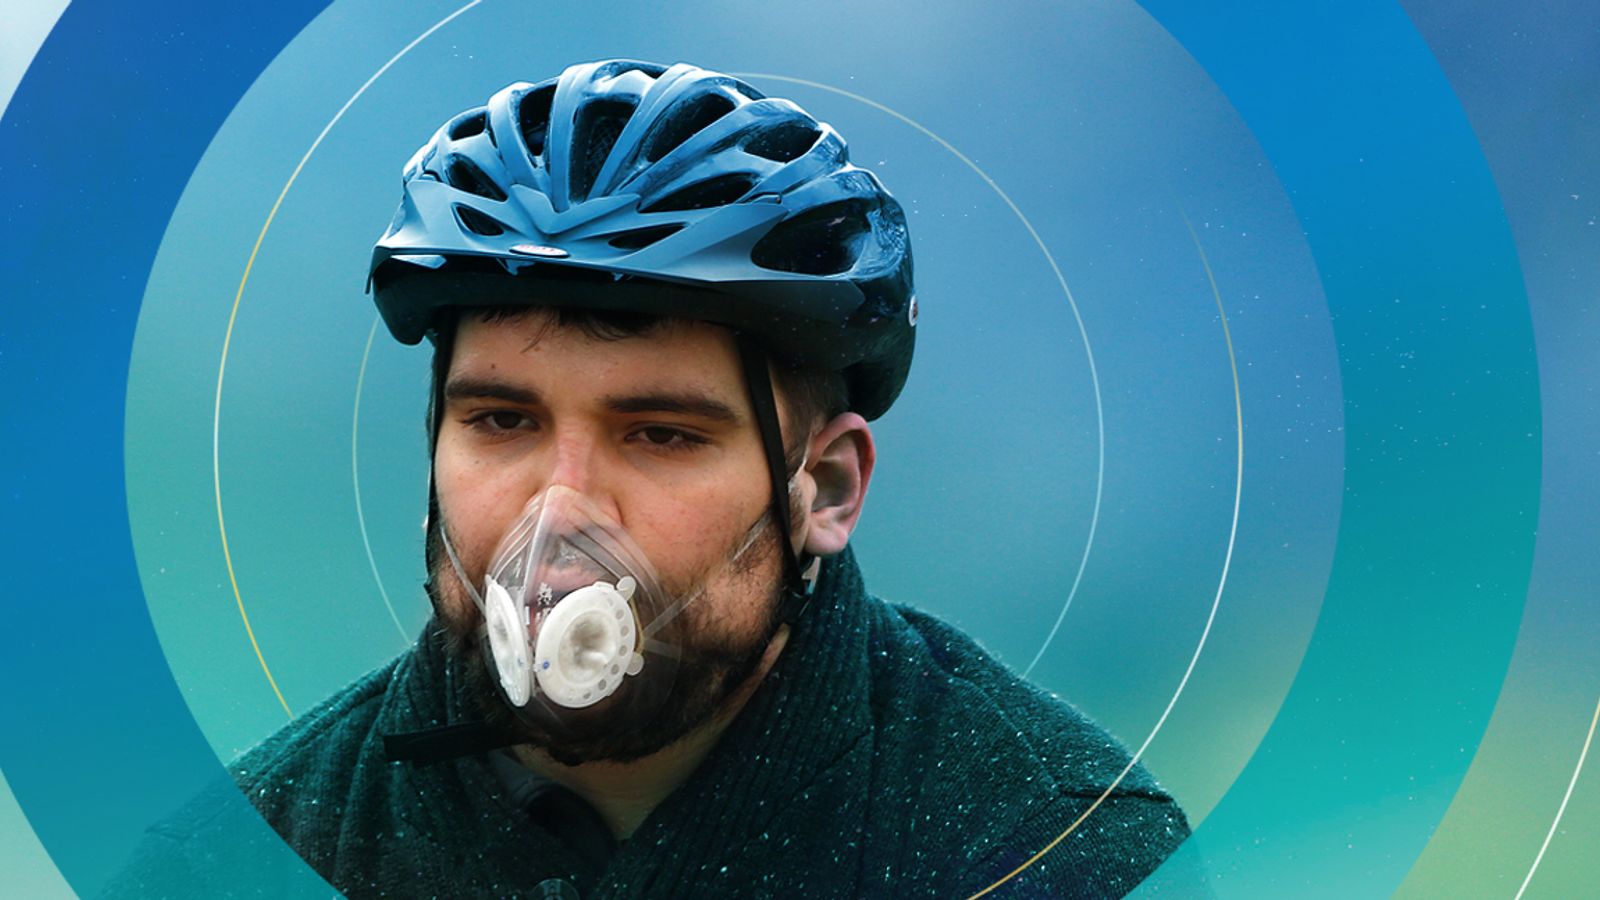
{"points": [[536, 345]]}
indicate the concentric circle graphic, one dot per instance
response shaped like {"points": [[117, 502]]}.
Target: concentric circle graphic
{"points": [[1060, 278], [1351, 728]]}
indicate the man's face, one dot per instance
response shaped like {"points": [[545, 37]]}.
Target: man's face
{"points": [[656, 430]]}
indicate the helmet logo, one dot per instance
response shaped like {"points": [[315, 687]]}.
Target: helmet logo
{"points": [[911, 311], [539, 250]]}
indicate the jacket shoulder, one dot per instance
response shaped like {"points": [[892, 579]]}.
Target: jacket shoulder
{"points": [[1025, 722], [1000, 768], [318, 747]]}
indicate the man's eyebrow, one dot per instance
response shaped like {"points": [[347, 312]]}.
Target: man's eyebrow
{"points": [[468, 387], [685, 403], [690, 403]]}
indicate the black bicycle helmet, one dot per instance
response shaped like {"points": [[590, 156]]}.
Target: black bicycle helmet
{"points": [[666, 190]]}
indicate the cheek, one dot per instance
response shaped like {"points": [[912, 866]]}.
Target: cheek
{"points": [[689, 534], [739, 600], [478, 504], [738, 597]]}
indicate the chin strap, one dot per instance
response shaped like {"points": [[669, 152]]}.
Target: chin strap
{"points": [[798, 581], [446, 742]]}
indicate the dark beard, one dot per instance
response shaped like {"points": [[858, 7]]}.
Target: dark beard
{"points": [[708, 673]]}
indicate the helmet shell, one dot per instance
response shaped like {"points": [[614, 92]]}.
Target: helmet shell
{"points": [[675, 191]]}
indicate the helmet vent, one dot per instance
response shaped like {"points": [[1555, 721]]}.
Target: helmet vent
{"points": [[463, 175], [478, 223], [533, 119], [599, 123], [787, 141], [719, 191], [822, 241], [640, 238], [688, 120], [469, 126]]}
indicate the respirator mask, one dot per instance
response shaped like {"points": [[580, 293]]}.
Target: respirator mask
{"points": [[578, 632]]}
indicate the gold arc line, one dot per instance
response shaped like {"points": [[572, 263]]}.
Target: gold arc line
{"points": [[227, 339], [1563, 808], [1072, 303], [1238, 410], [216, 421]]}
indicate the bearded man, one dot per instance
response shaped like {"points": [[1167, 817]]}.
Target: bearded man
{"points": [[664, 309]]}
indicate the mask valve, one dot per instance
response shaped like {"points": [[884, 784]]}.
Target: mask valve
{"points": [[587, 644]]}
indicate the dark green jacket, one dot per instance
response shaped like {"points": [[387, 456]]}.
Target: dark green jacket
{"points": [[885, 755]]}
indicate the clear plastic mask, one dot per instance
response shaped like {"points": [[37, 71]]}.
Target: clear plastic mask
{"points": [[576, 624]]}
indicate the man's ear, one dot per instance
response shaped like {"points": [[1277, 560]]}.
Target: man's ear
{"points": [[838, 467]]}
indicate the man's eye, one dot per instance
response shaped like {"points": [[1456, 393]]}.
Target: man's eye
{"points": [[499, 421], [660, 436]]}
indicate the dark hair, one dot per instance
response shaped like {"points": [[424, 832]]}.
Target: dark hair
{"points": [[812, 396]]}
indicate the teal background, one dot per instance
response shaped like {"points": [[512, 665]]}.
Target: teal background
{"points": [[973, 516]]}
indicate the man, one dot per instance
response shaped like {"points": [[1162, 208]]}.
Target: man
{"points": [[664, 309]]}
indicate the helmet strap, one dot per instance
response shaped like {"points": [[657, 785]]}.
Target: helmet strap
{"points": [[797, 584], [443, 344]]}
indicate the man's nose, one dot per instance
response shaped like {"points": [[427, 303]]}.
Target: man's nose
{"points": [[579, 464]]}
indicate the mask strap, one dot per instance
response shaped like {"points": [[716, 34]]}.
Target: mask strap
{"points": [[671, 612], [797, 587]]}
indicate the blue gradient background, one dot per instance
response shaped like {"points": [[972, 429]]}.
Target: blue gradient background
{"points": [[1392, 404]]}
